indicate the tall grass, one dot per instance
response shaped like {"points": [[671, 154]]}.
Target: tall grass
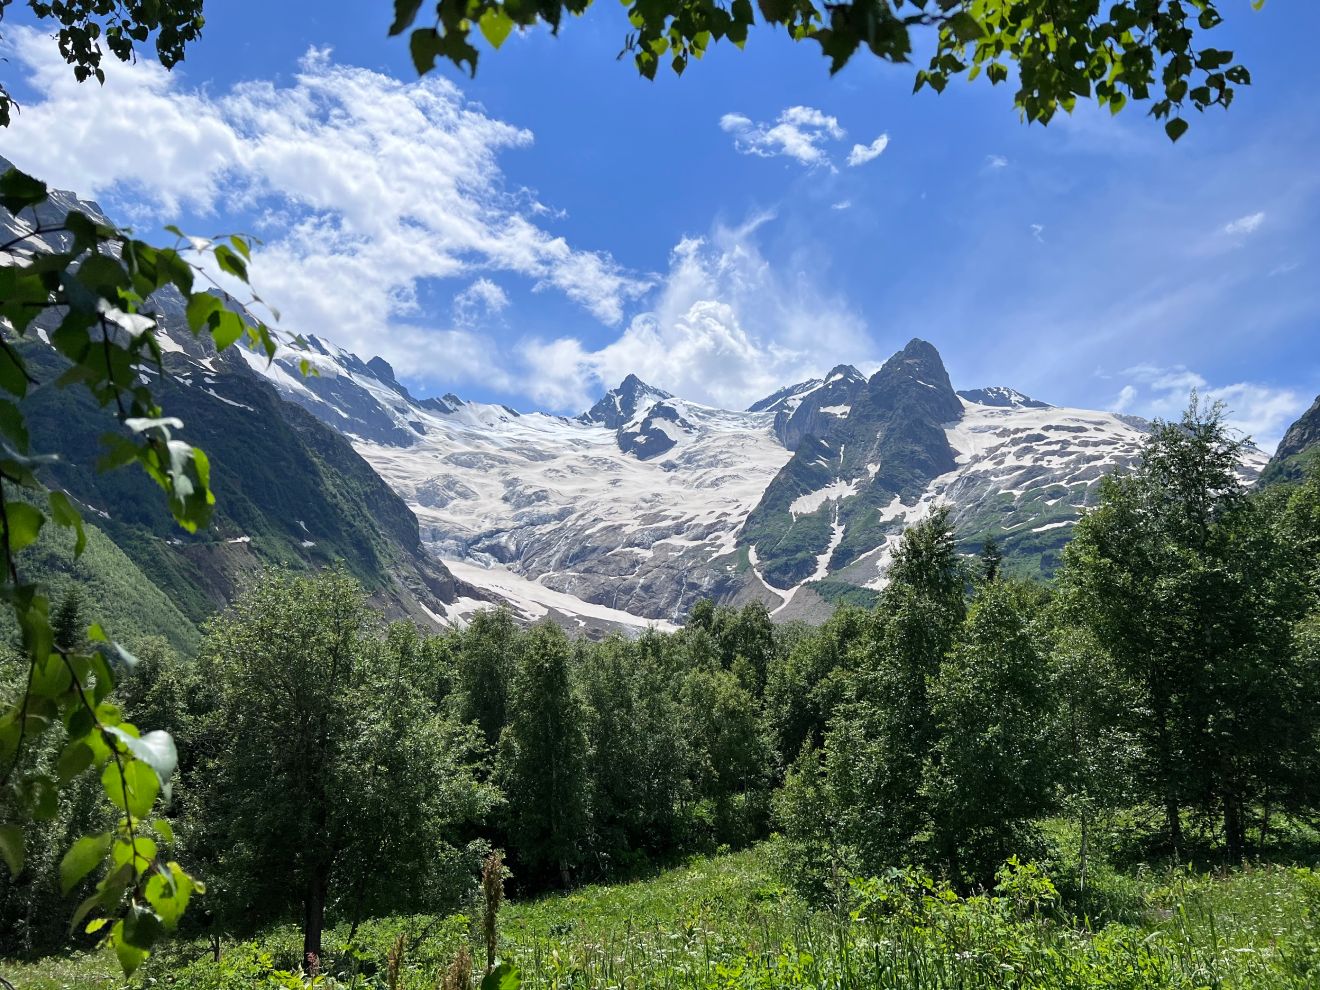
{"points": [[726, 923]]}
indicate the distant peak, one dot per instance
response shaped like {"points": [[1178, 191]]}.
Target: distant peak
{"points": [[381, 369], [1003, 397], [920, 349], [844, 371], [619, 405]]}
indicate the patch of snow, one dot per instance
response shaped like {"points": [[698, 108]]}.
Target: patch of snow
{"points": [[535, 600], [810, 502]]}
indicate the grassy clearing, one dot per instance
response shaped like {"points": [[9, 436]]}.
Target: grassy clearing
{"points": [[726, 923]]}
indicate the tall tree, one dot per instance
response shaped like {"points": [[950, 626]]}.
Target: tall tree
{"points": [[325, 764], [484, 666], [1176, 572], [992, 769], [542, 761]]}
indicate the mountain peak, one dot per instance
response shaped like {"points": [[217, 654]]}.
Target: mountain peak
{"points": [[619, 405], [846, 372], [1003, 397]]}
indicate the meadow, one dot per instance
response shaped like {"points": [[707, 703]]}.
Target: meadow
{"points": [[724, 922]]}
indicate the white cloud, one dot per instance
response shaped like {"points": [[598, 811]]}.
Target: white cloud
{"points": [[863, 153], [996, 161], [1262, 412], [843, 204], [1038, 232], [366, 189], [1245, 225], [726, 329], [482, 298], [1126, 396], [799, 133]]}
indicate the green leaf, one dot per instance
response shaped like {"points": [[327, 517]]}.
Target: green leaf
{"points": [[424, 46], [11, 848], [200, 307], [19, 190], [155, 749], [230, 263], [22, 522], [1175, 128], [83, 857], [495, 25], [76, 758], [142, 927], [13, 426], [133, 789], [130, 956], [405, 12], [226, 327], [502, 977], [64, 514], [169, 893], [964, 27]]}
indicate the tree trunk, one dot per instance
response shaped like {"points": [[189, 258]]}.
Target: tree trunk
{"points": [[1086, 821], [1174, 815], [313, 922], [1234, 832]]}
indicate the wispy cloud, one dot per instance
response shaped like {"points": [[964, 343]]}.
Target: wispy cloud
{"points": [[799, 133], [1245, 225], [863, 153], [996, 162], [482, 298], [1260, 411]]}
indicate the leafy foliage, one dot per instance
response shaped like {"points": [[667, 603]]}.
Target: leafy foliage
{"points": [[87, 287], [1141, 50]]}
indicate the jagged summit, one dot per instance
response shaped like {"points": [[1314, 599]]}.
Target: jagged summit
{"points": [[1003, 397], [790, 396], [620, 405]]}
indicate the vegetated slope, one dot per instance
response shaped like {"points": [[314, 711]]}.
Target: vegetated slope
{"points": [[1298, 445], [289, 490], [114, 590]]}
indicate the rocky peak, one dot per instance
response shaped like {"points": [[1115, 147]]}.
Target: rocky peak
{"points": [[620, 405], [1003, 397], [915, 378]]}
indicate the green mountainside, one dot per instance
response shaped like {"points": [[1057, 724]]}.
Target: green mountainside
{"points": [[1298, 446]]}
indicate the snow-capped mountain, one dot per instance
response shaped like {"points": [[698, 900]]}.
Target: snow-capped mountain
{"points": [[647, 502]]}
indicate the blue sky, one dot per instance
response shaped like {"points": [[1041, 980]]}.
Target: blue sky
{"points": [[534, 234]]}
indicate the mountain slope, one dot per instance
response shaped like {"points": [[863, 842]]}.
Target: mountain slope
{"points": [[1301, 440], [647, 502], [289, 490]]}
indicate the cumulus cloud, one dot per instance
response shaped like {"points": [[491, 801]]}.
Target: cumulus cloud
{"points": [[800, 133], [1262, 412], [1245, 225], [863, 153], [365, 189], [726, 329]]}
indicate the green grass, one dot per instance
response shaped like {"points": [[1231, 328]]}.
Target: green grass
{"points": [[726, 922]]}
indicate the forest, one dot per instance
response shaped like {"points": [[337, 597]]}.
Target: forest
{"points": [[976, 769]]}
